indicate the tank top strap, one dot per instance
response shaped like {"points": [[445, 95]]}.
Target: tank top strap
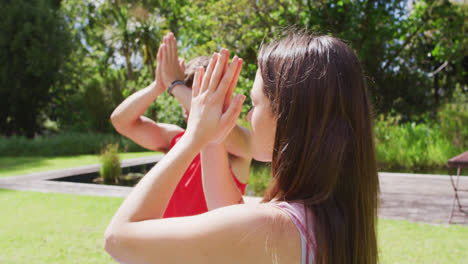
{"points": [[295, 210], [304, 251]]}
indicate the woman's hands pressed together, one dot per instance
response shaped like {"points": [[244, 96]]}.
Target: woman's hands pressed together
{"points": [[213, 114]]}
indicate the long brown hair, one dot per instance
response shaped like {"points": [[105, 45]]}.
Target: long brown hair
{"points": [[324, 153]]}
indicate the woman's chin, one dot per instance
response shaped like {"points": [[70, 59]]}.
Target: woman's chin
{"points": [[262, 157]]}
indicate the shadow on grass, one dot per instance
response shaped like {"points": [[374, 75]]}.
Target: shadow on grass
{"points": [[15, 163], [6, 192], [12, 166]]}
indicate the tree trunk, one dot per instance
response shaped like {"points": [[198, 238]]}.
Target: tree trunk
{"points": [[150, 60], [129, 63], [436, 90]]}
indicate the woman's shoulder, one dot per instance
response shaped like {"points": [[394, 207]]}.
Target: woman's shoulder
{"points": [[266, 227], [246, 233], [265, 213], [266, 218], [257, 211]]}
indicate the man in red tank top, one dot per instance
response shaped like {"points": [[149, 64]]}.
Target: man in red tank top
{"points": [[190, 196]]}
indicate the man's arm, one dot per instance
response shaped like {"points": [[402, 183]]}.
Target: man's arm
{"points": [[238, 143], [128, 117], [129, 121]]}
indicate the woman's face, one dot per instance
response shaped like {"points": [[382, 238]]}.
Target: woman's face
{"points": [[262, 121]]}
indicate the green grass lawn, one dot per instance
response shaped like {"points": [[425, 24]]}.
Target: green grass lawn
{"points": [[408, 242], [10, 166], [61, 228]]}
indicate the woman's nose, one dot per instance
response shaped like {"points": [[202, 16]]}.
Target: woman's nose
{"points": [[249, 116]]}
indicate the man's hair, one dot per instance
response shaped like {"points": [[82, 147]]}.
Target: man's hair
{"points": [[192, 66]]}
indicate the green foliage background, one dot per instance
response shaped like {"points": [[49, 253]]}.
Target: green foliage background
{"points": [[71, 62], [34, 45]]}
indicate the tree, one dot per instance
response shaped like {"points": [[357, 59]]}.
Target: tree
{"points": [[413, 52], [34, 44], [392, 39]]}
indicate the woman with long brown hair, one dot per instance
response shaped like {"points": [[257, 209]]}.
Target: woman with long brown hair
{"points": [[312, 119]]}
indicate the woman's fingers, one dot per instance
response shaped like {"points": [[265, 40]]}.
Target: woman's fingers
{"points": [[197, 80], [227, 79], [208, 72], [228, 119], [220, 80], [227, 62], [165, 40], [232, 87], [218, 70]]}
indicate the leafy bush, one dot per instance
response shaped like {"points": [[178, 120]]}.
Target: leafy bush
{"points": [[110, 168], [66, 144], [88, 108], [259, 180], [425, 146], [166, 109], [410, 146], [453, 118]]}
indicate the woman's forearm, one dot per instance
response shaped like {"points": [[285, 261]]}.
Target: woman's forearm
{"points": [[149, 198], [219, 187], [134, 106]]}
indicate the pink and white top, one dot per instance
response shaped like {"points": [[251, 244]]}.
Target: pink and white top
{"points": [[295, 210]]}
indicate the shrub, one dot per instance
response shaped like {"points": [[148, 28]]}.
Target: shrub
{"points": [[453, 119], [110, 169], [259, 180], [166, 109], [66, 144], [410, 146], [89, 107]]}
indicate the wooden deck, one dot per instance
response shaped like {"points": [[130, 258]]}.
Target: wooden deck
{"points": [[413, 197]]}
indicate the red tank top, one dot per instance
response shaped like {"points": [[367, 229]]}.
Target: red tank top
{"points": [[188, 197]]}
